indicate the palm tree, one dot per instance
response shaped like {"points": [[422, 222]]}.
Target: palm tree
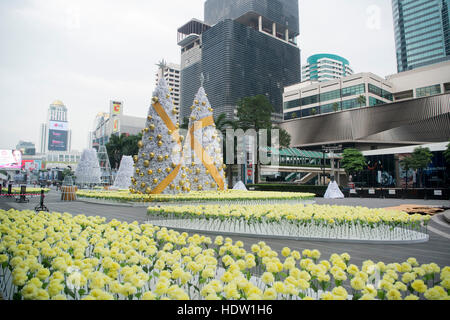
{"points": [[222, 123], [335, 106], [361, 100]]}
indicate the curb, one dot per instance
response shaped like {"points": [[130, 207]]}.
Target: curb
{"points": [[261, 236], [446, 215]]}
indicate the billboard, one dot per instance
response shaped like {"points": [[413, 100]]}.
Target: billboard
{"points": [[116, 126], [32, 165], [10, 159], [116, 108], [58, 125], [57, 140]]}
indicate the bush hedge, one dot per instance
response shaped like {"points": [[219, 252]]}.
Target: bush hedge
{"points": [[319, 191]]}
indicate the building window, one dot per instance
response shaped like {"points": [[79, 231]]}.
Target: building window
{"points": [[428, 91], [354, 90], [380, 92], [375, 102]]}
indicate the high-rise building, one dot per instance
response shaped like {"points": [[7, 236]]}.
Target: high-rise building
{"points": [[325, 67], [172, 76], [422, 32], [243, 48], [55, 134], [114, 123]]}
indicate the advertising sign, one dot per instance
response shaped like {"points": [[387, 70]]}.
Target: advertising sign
{"points": [[58, 125], [116, 126], [10, 159], [116, 108], [57, 140]]}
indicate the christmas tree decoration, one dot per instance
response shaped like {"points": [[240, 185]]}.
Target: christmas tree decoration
{"points": [[203, 149], [88, 170], [159, 161], [125, 173], [105, 167]]}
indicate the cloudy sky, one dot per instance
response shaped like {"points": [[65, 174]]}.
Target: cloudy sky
{"points": [[88, 52]]}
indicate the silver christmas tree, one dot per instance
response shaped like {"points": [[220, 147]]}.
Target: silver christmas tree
{"points": [[88, 169], [203, 154], [125, 173], [159, 164]]}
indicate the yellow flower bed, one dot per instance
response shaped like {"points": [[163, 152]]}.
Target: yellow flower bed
{"points": [[60, 256], [295, 213], [228, 195], [16, 190]]}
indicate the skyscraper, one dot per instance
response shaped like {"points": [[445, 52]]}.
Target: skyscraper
{"points": [[421, 32], [55, 134], [243, 48], [172, 76], [326, 67]]}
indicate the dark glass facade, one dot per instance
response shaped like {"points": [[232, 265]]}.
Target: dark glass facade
{"points": [[421, 32], [385, 171], [238, 61], [283, 12]]}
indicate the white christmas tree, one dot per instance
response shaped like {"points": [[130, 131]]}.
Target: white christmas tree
{"points": [[203, 154], [159, 164], [88, 169], [125, 173]]}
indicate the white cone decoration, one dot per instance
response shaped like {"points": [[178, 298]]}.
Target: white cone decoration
{"points": [[125, 173], [203, 155], [159, 163], [88, 169]]}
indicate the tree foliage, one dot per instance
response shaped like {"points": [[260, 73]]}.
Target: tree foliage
{"points": [[254, 113], [353, 161], [447, 154], [421, 158], [123, 145]]}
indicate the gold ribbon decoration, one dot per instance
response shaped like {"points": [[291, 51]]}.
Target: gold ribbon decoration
{"points": [[201, 153], [169, 124]]}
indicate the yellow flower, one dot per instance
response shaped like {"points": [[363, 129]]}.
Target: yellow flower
{"points": [[419, 286], [394, 294], [303, 284], [267, 278], [435, 293], [286, 252], [370, 290], [270, 294], [367, 297], [315, 254], [408, 277], [400, 286], [327, 296], [357, 283], [29, 292], [19, 278], [446, 283], [279, 287], [43, 274], [59, 297], [340, 291], [212, 297], [352, 269], [385, 285], [412, 297], [345, 256], [42, 295]]}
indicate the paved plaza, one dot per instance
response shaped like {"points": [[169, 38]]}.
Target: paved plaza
{"points": [[437, 249]]}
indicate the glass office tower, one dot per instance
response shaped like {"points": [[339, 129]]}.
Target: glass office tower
{"points": [[421, 32], [244, 48]]}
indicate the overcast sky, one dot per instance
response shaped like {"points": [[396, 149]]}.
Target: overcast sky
{"points": [[88, 52]]}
